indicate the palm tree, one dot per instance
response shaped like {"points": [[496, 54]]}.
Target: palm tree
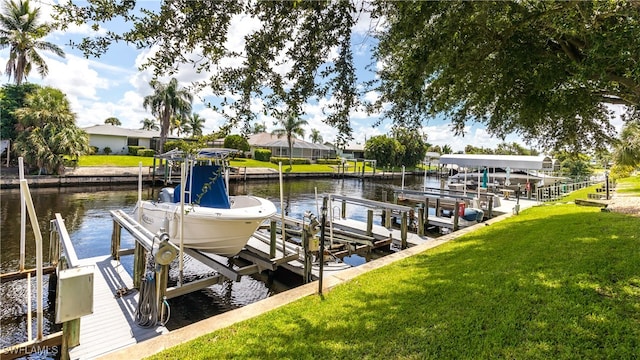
{"points": [[627, 151], [20, 31], [193, 124], [112, 121], [446, 149], [48, 132], [259, 128], [166, 101], [315, 136], [291, 126], [149, 124]]}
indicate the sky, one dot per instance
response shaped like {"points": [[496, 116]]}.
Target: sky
{"points": [[113, 86]]}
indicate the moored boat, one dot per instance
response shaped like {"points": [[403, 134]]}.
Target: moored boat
{"points": [[213, 221]]}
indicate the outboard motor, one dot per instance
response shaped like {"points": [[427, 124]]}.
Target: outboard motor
{"points": [[166, 195]]}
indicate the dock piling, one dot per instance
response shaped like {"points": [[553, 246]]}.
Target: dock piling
{"points": [[369, 222]]}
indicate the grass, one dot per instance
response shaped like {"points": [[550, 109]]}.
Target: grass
{"points": [[555, 282], [629, 186], [114, 160]]}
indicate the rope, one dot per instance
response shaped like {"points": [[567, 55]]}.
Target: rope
{"points": [[147, 313]]}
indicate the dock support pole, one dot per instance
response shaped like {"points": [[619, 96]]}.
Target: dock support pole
{"points": [[272, 243], [490, 215], [369, 222], [438, 207], [387, 218], [403, 231], [455, 216], [115, 240], [426, 211], [139, 260], [344, 209], [384, 196], [421, 221], [162, 277]]}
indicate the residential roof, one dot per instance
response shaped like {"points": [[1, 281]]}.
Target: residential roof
{"points": [[498, 161], [270, 140], [113, 130]]}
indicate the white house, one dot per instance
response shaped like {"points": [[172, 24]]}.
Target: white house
{"points": [[119, 139], [280, 148]]}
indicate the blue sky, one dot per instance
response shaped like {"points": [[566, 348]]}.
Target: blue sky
{"points": [[112, 85]]}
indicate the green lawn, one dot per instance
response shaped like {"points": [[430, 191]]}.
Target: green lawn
{"points": [[114, 160], [555, 282], [629, 186]]}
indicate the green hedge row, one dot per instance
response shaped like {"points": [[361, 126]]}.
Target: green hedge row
{"points": [[146, 152], [294, 161], [133, 150], [329, 161]]}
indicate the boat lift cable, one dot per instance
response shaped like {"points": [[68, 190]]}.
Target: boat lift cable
{"points": [[146, 314]]}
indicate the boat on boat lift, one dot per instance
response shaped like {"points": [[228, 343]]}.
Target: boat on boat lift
{"points": [[212, 220]]}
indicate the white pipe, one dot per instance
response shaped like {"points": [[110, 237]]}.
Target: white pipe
{"points": [[183, 183], [29, 326], [24, 188], [23, 216], [140, 192], [402, 177], [424, 183], [284, 237]]}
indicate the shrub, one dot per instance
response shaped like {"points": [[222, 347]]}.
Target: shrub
{"points": [[93, 150], [329, 161], [294, 161], [146, 152], [107, 150], [236, 142], [133, 150], [262, 154]]}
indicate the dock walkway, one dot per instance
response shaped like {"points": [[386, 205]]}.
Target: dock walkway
{"points": [[111, 326]]}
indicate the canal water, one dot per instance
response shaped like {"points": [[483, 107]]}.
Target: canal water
{"points": [[87, 218]]}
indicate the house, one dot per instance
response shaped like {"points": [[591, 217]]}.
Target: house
{"points": [[119, 139], [280, 147], [350, 151]]}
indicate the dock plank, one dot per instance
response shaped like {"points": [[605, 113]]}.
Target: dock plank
{"points": [[111, 315]]}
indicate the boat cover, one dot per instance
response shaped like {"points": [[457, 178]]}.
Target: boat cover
{"points": [[208, 181]]}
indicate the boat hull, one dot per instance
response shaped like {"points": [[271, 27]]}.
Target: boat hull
{"points": [[221, 231]]}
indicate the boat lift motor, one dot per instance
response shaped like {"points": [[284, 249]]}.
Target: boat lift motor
{"points": [[165, 253]]}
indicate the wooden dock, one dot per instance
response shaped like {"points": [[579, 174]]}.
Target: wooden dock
{"points": [[111, 326]]}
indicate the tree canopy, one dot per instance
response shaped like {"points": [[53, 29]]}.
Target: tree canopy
{"points": [[541, 69]]}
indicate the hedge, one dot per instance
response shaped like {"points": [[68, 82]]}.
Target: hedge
{"points": [[329, 161], [146, 152], [133, 150], [262, 154], [294, 161]]}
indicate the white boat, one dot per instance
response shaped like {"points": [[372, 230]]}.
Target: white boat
{"points": [[213, 221]]}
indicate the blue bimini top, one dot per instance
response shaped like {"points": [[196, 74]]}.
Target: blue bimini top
{"points": [[208, 186]]}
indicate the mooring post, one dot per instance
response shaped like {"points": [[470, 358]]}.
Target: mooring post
{"points": [[426, 211], [272, 243], [403, 230], [369, 222], [344, 209], [139, 260], [115, 240], [307, 257], [322, 235], [455, 216], [387, 218], [438, 207], [490, 215], [420, 221], [384, 195], [162, 278], [70, 336]]}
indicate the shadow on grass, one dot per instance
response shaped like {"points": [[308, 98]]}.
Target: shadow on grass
{"points": [[533, 286]]}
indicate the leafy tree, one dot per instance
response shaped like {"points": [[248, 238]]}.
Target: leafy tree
{"points": [[20, 31], [543, 69], [259, 128], [383, 149], [470, 149], [112, 121], [304, 35], [149, 124], [12, 98], [166, 101], [576, 167], [194, 124], [315, 136], [513, 149], [413, 147], [47, 131], [291, 126], [627, 151], [236, 142], [446, 149]]}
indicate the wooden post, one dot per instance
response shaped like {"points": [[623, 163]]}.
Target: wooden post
{"points": [[490, 214], [438, 207], [426, 211], [162, 277], [115, 240], [403, 230], [421, 221], [344, 209], [272, 243], [387, 218], [70, 336], [369, 222], [395, 198], [455, 216], [139, 260], [384, 195]]}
